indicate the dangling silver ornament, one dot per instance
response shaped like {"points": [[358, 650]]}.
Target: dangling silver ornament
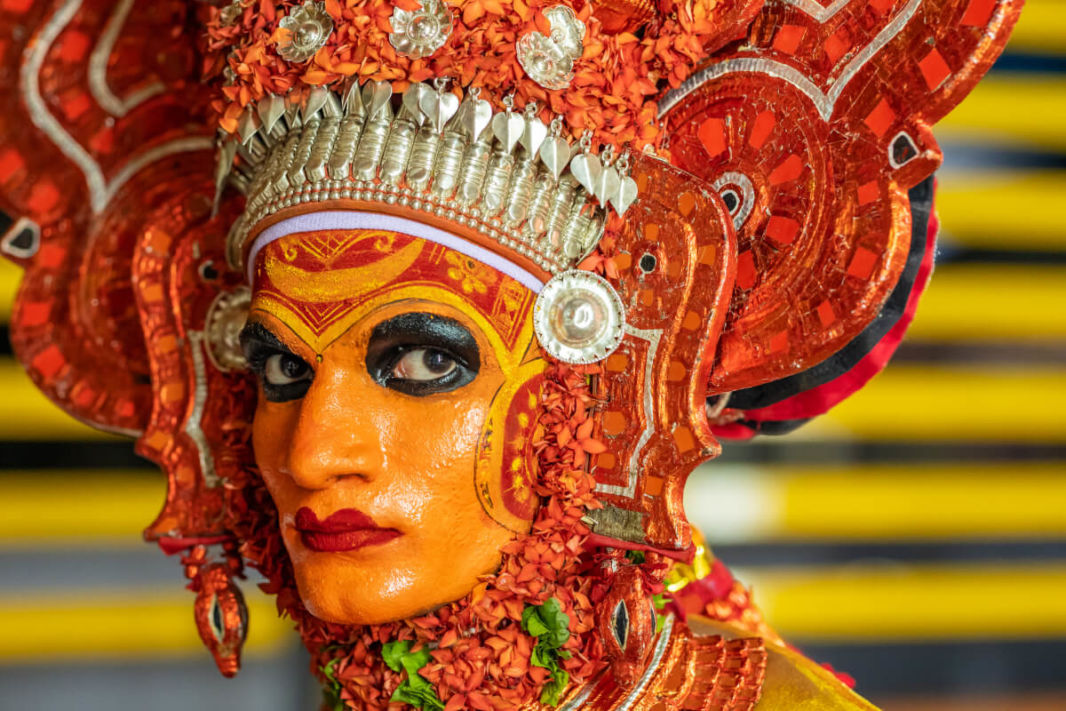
{"points": [[555, 151]]}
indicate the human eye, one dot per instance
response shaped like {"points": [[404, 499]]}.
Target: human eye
{"points": [[422, 354], [283, 375], [285, 369], [423, 364]]}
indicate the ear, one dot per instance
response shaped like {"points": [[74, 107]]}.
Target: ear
{"points": [[812, 132]]}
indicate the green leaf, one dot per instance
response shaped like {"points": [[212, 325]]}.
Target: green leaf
{"points": [[412, 662], [527, 614], [551, 626], [547, 622], [535, 626], [393, 652], [423, 698], [557, 621], [327, 671], [636, 557], [331, 692], [537, 658], [415, 689], [554, 688]]}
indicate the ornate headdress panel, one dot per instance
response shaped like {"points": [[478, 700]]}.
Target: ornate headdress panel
{"points": [[813, 131], [718, 191]]}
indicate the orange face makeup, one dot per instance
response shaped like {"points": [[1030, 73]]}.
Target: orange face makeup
{"points": [[398, 382]]}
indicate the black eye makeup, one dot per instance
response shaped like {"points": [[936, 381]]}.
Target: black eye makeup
{"points": [[283, 374], [422, 354]]}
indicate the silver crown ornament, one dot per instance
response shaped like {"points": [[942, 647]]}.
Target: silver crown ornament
{"points": [[502, 173], [549, 59]]}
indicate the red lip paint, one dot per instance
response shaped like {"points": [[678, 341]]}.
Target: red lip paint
{"points": [[344, 530]]}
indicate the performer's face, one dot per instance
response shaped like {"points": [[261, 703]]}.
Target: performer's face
{"points": [[397, 388]]}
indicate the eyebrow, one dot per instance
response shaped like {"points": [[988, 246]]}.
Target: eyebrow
{"points": [[429, 329], [259, 333]]}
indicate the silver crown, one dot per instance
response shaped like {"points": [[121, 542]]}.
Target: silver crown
{"points": [[505, 174]]}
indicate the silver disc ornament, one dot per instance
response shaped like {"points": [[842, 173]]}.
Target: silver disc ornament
{"points": [[578, 317]]}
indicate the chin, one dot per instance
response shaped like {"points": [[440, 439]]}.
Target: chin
{"points": [[331, 608], [333, 600], [342, 591], [350, 594]]}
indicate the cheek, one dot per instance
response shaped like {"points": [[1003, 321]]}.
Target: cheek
{"points": [[434, 447], [271, 438], [436, 443]]}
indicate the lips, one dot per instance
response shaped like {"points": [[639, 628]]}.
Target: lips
{"points": [[344, 530]]}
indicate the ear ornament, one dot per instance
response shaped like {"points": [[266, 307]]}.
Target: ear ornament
{"points": [[219, 610], [626, 619], [579, 317]]}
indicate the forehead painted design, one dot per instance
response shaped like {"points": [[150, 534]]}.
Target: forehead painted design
{"points": [[316, 282]]}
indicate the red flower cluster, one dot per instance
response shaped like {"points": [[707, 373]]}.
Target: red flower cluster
{"points": [[480, 654], [614, 92]]}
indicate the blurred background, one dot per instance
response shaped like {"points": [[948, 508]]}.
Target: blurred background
{"points": [[914, 538]]}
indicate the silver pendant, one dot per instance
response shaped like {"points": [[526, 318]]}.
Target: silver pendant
{"points": [[438, 107], [507, 126], [554, 154], [587, 169]]}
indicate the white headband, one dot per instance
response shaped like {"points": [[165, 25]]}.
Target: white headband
{"points": [[353, 220]]}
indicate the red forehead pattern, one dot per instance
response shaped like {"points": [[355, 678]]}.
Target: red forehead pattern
{"points": [[359, 265]]}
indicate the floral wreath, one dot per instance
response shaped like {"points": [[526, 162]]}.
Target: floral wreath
{"points": [[522, 636]]}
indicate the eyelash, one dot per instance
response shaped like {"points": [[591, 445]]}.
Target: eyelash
{"points": [[390, 343], [260, 356], [384, 376], [257, 363]]}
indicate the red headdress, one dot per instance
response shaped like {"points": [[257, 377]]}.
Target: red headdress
{"points": [[736, 173]]}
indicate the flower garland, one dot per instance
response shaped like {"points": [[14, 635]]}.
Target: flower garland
{"points": [[481, 655], [614, 92]]}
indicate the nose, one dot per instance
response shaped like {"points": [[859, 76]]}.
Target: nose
{"points": [[335, 437]]}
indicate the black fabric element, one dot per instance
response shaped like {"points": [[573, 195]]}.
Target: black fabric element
{"points": [[921, 203], [773, 427], [6, 221]]}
